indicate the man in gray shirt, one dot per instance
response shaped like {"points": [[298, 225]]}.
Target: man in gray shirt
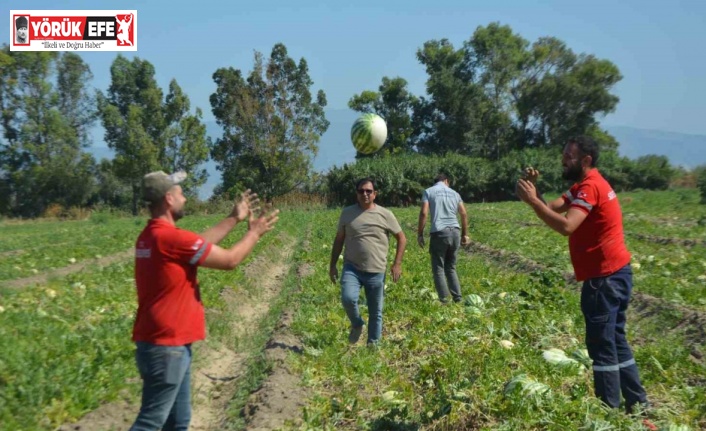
{"points": [[446, 235], [364, 229]]}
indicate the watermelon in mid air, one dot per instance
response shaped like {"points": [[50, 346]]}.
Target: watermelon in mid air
{"points": [[368, 133]]}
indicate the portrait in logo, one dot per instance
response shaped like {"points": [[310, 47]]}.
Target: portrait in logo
{"points": [[22, 30], [124, 26]]}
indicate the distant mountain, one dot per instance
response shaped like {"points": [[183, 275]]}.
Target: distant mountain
{"points": [[681, 149], [335, 148]]}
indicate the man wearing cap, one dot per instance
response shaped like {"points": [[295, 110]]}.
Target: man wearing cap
{"points": [[21, 25], [170, 314]]}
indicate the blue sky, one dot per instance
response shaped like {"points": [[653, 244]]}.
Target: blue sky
{"points": [[658, 45]]}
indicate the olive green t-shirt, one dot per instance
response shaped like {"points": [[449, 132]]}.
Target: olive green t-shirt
{"points": [[367, 236]]}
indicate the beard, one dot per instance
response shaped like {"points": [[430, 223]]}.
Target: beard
{"points": [[572, 173], [178, 214]]}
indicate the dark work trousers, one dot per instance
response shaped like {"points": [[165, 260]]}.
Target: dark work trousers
{"points": [[443, 248], [604, 303]]}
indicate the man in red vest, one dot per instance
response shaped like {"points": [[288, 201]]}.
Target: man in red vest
{"points": [[589, 214]]}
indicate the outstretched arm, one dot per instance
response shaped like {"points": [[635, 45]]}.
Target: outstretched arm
{"points": [[221, 258], [248, 201], [565, 225], [532, 175]]}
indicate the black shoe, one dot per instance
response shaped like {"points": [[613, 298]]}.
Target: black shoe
{"points": [[354, 335]]}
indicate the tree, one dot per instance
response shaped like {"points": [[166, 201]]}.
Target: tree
{"points": [[75, 102], [41, 157], [111, 191], [186, 145], [497, 93], [493, 59], [132, 118], [447, 119], [653, 172], [395, 104], [562, 93], [146, 133], [271, 125]]}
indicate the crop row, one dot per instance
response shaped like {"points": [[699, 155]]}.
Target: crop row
{"points": [[66, 344], [488, 363]]}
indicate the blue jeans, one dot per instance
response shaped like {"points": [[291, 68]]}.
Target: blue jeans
{"points": [[604, 302], [443, 247], [166, 397], [374, 284]]}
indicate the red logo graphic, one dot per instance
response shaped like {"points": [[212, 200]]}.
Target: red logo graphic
{"points": [[125, 35]]}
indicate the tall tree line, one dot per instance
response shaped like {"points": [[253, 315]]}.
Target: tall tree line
{"points": [[271, 125], [46, 112], [496, 93], [47, 108]]}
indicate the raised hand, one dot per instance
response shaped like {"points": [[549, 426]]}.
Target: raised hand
{"points": [[526, 191], [531, 174], [264, 222], [246, 202]]}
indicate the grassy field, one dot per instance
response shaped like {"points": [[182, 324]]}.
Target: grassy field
{"points": [[65, 343]]}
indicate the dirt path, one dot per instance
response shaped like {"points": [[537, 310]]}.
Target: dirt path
{"points": [[61, 272], [217, 368], [281, 397], [215, 383]]}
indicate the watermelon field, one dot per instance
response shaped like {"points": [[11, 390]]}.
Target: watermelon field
{"points": [[508, 357]]}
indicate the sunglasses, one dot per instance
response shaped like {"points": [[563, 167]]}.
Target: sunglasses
{"points": [[365, 191]]}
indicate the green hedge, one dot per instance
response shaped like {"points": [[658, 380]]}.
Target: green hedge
{"points": [[400, 180]]}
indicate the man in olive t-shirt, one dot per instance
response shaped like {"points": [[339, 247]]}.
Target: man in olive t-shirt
{"points": [[364, 229]]}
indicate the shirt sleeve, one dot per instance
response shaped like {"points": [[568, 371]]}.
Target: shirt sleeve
{"points": [[568, 195], [392, 223], [425, 196], [585, 198], [188, 247]]}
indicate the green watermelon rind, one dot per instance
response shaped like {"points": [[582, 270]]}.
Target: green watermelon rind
{"points": [[361, 134]]}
